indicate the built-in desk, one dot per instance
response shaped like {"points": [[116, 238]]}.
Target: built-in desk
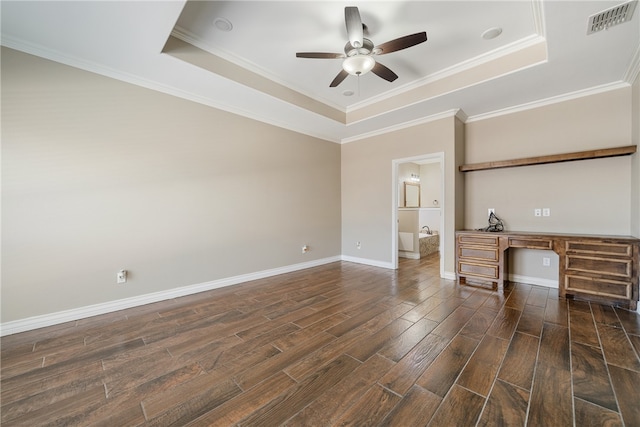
{"points": [[601, 268]]}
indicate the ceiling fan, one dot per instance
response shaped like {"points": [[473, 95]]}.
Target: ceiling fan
{"points": [[359, 51]]}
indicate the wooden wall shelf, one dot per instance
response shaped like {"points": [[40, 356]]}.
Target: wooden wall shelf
{"points": [[556, 158]]}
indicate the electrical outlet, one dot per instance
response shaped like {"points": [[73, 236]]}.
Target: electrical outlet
{"points": [[358, 245], [546, 212], [546, 261], [121, 277], [490, 211], [305, 249], [537, 212]]}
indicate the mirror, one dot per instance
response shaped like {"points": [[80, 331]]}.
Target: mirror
{"points": [[411, 195]]}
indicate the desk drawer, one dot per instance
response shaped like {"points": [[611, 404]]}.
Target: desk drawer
{"points": [[479, 253], [608, 266], [485, 271], [600, 287], [518, 242], [599, 248], [474, 239]]}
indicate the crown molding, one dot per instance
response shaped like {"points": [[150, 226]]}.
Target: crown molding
{"points": [[460, 114], [56, 56], [452, 71], [445, 114], [188, 37], [634, 68], [537, 8], [102, 70], [549, 101]]}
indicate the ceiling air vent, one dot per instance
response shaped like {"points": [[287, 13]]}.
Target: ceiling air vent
{"points": [[610, 17]]}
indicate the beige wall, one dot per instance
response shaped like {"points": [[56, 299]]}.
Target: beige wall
{"points": [[430, 184], [635, 159], [99, 175], [367, 183], [591, 196]]}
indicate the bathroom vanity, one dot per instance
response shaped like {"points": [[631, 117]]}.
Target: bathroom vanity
{"points": [[601, 268]]}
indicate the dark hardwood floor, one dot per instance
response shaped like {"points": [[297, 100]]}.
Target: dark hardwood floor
{"points": [[340, 344]]}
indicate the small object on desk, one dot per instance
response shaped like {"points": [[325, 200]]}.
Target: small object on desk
{"points": [[495, 224]]}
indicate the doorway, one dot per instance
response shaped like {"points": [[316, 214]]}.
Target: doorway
{"points": [[433, 158]]}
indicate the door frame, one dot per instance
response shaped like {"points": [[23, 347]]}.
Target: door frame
{"points": [[437, 157]]}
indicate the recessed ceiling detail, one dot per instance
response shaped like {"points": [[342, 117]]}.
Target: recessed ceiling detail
{"points": [[318, 26], [541, 57]]}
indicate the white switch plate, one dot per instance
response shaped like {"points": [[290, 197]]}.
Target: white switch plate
{"points": [[537, 212], [546, 212], [546, 261]]}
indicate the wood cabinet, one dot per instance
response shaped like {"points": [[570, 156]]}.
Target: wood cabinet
{"points": [[601, 268], [479, 258]]}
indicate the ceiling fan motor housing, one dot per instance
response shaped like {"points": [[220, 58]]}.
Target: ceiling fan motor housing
{"points": [[366, 49], [359, 51]]}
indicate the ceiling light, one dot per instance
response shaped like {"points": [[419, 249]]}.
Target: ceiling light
{"points": [[492, 33], [358, 64], [223, 24], [348, 93]]}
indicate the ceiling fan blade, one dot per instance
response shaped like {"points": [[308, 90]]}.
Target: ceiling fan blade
{"points": [[354, 26], [384, 72], [319, 55], [402, 43], [339, 78]]}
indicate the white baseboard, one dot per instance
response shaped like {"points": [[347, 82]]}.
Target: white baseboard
{"points": [[367, 261], [45, 320], [533, 281], [410, 255], [51, 319], [448, 275]]}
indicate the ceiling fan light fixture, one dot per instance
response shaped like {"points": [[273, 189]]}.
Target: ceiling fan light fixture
{"points": [[358, 64]]}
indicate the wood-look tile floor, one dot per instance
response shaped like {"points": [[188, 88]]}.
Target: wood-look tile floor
{"points": [[340, 344]]}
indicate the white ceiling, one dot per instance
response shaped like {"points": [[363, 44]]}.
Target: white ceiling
{"points": [[454, 70]]}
